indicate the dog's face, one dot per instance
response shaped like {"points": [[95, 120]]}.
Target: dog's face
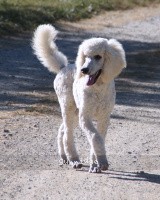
{"points": [[99, 58], [92, 67]]}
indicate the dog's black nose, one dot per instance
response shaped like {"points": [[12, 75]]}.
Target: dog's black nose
{"points": [[85, 70]]}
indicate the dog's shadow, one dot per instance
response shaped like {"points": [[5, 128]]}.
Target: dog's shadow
{"points": [[135, 176], [129, 176]]}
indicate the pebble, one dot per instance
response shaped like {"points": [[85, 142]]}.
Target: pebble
{"points": [[6, 131]]}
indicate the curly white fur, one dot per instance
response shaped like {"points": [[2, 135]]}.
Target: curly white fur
{"points": [[46, 50], [86, 92]]}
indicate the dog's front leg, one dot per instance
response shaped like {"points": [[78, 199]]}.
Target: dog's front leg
{"points": [[97, 144]]}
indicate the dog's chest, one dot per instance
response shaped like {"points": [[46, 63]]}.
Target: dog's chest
{"points": [[95, 100], [99, 103]]}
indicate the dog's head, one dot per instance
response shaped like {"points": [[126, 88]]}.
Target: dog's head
{"points": [[100, 59]]}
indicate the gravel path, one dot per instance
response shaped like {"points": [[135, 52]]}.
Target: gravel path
{"points": [[30, 117], [145, 31]]}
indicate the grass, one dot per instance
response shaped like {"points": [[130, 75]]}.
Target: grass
{"points": [[17, 16]]}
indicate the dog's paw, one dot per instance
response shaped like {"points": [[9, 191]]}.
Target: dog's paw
{"points": [[104, 167], [94, 169], [63, 160], [76, 164], [97, 168], [102, 162]]}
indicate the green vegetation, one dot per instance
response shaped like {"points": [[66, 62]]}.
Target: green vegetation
{"points": [[17, 16]]}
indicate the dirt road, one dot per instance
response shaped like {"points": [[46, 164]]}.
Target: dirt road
{"points": [[30, 117]]}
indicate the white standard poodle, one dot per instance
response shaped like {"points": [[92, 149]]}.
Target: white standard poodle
{"points": [[86, 91]]}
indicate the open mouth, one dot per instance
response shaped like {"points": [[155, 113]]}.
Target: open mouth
{"points": [[93, 78]]}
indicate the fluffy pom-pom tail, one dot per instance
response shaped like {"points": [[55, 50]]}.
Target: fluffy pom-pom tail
{"points": [[46, 50]]}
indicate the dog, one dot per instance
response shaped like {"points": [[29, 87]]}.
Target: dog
{"points": [[85, 91]]}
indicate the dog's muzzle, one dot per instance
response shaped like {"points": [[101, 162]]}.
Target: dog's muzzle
{"points": [[91, 78]]}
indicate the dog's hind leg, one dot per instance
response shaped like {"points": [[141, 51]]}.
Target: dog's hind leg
{"points": [[93, 161], [70, 121], [63, 88], [66, 145], [61, 146]]}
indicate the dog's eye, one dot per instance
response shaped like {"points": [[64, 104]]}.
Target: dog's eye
{"points": [[97, 57]]}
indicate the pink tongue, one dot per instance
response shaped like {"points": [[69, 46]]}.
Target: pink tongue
{"points": [[91, 79]]}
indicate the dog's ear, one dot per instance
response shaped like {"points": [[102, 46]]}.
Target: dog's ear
{"points": [[114, 60], [79, 62]]}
